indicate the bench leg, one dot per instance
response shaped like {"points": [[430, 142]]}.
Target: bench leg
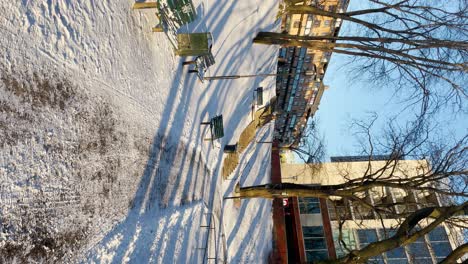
{"points": [[157, 28], [188, 62]]}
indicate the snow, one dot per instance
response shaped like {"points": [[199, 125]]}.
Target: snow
{"points": [[103, 158]]}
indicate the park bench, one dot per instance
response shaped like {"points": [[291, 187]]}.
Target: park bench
{"points": [[259, 91], [216, 127], [202, 63], [172, 15]]}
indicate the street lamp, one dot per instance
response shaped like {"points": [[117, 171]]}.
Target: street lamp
{"points": [[230, 77]]}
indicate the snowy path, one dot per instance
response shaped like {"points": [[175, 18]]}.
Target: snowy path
{"points": [[102, 158]]}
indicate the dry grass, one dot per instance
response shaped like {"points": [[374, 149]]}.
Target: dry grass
{"points": [[230, 164], [261, 118]]}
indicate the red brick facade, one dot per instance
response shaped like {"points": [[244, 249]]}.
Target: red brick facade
{"points": [[280, 249]]}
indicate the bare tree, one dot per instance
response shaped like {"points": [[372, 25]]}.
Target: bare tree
{"points": [[441, 171], [309, 146], [416, 43]]}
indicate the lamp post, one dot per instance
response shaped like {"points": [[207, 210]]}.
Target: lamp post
{"points": [[230, 77]]}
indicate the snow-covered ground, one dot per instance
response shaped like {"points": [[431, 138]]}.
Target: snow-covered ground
{"points": [[102, 155]]}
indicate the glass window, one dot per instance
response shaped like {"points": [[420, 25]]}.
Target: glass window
{"points": [[312, 231], [419, 250], [309, 205], [441, 249], [348, 237], [387, 233], [302, 52], [376, 260], [327, 22], [309, 200], [438, 234], [293, 121], [315, 243], [289, 105], [316, 255], [396, 253], [439, 242], [296, 24], [282, 52], [367, 236]]}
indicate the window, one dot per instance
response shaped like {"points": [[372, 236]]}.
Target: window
{"points": [[348, 237], [439, 243], [283, 52], [438, 234], [309, 205], [339, 209], [332, 8], [365, 237], [327, 22], [293, 121], [441, 249], [289, 106], [316, 255], [312, 231], [303, 52], [418, 251], [317, 23], [296, 24], [397, 255], [314, 241]]}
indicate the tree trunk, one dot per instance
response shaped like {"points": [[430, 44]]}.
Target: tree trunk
{"points": [[405, 236], [456, 254], [284, 190], [397, 57]]}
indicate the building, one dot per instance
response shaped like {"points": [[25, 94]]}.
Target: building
{"points": [[359, 158], [287, 156], [299, 85], [312, 224]]}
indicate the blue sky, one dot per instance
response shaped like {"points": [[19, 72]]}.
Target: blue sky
{"points": [[349, 98]]}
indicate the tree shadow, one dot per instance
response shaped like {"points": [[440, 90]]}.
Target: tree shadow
{"points": [[176, 178]]}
